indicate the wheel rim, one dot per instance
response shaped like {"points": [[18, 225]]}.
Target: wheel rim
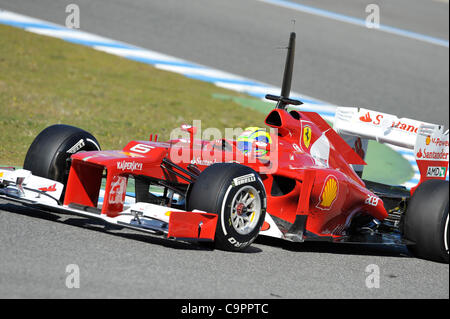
{"points": [[245, 210]]}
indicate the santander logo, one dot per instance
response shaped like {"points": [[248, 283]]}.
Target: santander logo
{"points": [[419, 154], [432, 155], [405, 127], [48, 189], [368, 119]]}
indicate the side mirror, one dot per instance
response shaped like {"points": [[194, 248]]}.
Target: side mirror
{"points": [[189, 128]]}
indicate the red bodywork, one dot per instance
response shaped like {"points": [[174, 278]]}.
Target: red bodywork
{"points": [[330, 193]]}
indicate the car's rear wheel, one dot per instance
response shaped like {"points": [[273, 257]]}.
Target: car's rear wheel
{"points": [[237, 195], [426, 221], [48, 154]]}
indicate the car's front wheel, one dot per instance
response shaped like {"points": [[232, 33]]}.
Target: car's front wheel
{"points": [[48, 154], [237, 195]]}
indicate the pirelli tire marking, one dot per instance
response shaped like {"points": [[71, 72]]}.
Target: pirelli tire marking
{"points": [[80, 145], [237, 244], [245, 179]]}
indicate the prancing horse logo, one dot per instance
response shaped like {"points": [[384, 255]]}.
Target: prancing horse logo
{"points": [[307, 136]]}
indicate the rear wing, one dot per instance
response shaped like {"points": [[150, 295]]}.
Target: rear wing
{"points": [[429, 141]]}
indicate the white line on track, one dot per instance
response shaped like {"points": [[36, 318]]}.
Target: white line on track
{"points": [[356, 21]]}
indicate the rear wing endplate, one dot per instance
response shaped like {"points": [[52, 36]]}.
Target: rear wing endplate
{"points": [[429, 141]]}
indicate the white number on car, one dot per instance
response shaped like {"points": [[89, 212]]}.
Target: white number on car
{"points": [[141, 148], [372, 200]]}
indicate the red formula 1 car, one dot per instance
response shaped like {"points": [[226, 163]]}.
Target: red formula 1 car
{"points": [[300, 181]]}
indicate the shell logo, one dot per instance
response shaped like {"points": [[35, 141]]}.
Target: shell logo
{"points": [[428, 140], [329, 193]]}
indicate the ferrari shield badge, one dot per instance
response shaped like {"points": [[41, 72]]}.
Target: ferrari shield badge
{"points": [[307, 136]]}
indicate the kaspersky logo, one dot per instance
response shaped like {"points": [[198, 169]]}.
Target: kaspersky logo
{"points": [[329, 193], [129, 166]]}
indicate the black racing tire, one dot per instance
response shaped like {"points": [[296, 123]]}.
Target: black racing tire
{"points": [[426, 221], [222, 189], [48, 155]]}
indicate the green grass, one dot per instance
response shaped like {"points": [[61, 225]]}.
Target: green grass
{"points": [[45, 81], [384, 165]]}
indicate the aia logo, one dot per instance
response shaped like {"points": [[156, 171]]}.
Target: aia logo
{"points": [[368, 119], [329, 193], [48, 189]]}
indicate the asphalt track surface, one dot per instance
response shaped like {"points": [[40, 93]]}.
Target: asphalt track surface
{"points": [[336, 62]]}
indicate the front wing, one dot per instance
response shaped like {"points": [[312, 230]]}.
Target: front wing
{"points": [[20, 186]]}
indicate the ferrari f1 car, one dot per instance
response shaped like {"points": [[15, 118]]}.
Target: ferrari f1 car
{"points": [[300, 182]]}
